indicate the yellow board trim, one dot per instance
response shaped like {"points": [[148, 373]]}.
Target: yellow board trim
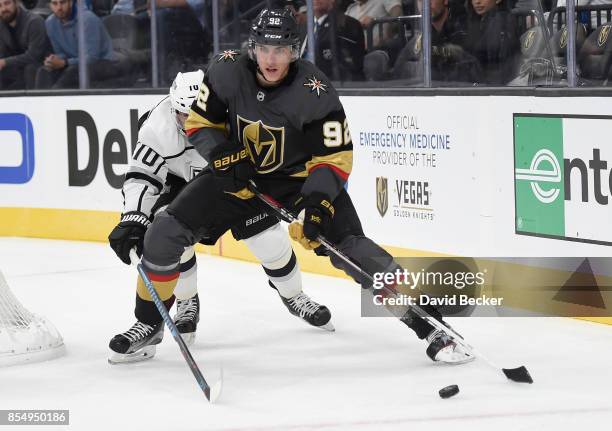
{"points": [[84, 225]]}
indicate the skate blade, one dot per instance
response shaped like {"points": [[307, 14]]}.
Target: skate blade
{"points": [[189, 338], [449, 355], [327, 327], [127, 358]]}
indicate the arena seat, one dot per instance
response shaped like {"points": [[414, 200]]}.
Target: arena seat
{"points": [[595, 57], [376, 65]]}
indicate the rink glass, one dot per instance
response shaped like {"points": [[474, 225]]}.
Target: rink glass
{"points": [[526, 43]]}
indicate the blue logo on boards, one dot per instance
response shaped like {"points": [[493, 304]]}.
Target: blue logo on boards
{"points": [[20, 123]]}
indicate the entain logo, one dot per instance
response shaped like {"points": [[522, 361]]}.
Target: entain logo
{"points": [[545, 168], [563, 185], [537, 173]]}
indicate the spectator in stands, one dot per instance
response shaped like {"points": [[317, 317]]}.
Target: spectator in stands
{"points": [[125, 7], [343, 4], [61, 69], [450, 62], [23, 45], [447, 28], [493, 40], [184, 36], [297, 7], [340, 58], [197, 6], [143, 8], [367, 10]]}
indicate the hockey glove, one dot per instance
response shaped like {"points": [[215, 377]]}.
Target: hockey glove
{"points": [[233, 170], [316, 212], [129, 233]]}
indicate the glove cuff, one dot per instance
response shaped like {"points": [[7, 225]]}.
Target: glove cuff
{"points": [[316, 199], [135, 217]]}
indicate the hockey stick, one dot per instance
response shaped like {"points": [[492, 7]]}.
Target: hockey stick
{"points": [[519, 374], [211, 392]]}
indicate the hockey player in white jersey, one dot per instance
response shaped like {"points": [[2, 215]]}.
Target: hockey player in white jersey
{"points": [[162, 163]]}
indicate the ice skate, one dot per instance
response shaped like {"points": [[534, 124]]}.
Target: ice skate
{"points": [[309, 311], [187, 318], [442, 348], [136, 344]]}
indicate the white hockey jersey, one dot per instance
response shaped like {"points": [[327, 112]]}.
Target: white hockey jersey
{"points": [[161, 150]]}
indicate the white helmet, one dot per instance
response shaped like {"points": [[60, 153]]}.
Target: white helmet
{"points": [[184, 90]]}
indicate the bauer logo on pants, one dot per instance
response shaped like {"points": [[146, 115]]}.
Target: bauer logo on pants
{"points": [[16, 148], [563, 180]]}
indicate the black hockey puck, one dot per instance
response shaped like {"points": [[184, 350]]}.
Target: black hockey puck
{"points": [[449, 391]]}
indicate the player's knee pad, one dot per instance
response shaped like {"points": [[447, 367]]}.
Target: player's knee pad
{"points": [[187, 285], [271, 247], [187, 255], [165, 242]]}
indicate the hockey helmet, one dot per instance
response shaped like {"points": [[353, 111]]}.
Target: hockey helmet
{"points": [[275, 27], [184, 90]]}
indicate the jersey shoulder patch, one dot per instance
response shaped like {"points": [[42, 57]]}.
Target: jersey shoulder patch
{"points": [[229, 55], [313, 81], [316, 91], [224, 73], [315, 85]]}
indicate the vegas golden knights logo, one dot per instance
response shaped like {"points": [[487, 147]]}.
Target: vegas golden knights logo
{"points": [[382, 196], [418, 44], [530, 37], [563, 39], [604, 33], [265, 144]]}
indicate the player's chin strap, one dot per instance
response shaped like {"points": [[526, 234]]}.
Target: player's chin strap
{"points": [[260, 73], [519, 374]]}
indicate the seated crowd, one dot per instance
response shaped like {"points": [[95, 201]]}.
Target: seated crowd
{"points": [[474, 42]]}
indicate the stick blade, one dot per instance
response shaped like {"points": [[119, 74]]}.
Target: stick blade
{"points": [[213, 392], [520, 374]]}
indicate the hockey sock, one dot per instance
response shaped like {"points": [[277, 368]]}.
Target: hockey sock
{"points": [[147, 312], [273, 249], [187, 285], [164, 283], [287, 279]]}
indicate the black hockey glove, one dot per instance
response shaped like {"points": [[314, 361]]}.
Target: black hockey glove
{"points": [[128, 233], [318, 214], [233, 170]]}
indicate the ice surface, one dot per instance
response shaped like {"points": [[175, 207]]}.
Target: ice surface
{"points": [[280, 374]]}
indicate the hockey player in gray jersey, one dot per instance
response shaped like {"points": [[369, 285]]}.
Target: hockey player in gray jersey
{"points": [[162, 163], [288, 132]]}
